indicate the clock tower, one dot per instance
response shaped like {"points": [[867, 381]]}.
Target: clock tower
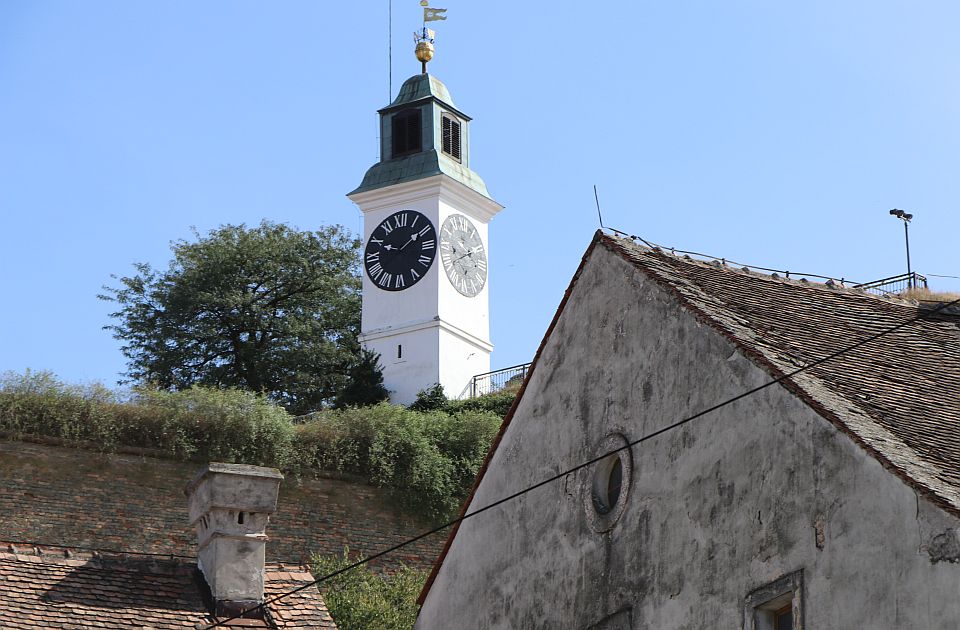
{"points": [[425, 281]]}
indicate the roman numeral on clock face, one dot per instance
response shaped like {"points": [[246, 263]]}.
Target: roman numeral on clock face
{"points": [[400, 250], [463, 255]]}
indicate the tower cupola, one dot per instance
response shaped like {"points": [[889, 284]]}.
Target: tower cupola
{"points": [[422, 133]]}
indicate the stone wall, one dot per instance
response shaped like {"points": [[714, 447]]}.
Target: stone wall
{"points": [[72, 497]]}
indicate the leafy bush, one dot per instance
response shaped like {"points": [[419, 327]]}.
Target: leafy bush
{"points": [[430, 399], [223, 425], [498, 402], [360, 599], [428, 458], [218, 425], [38, 403]]}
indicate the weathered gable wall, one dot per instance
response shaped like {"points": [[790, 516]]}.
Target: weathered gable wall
{"points": [[757, 490], [63, 496]]}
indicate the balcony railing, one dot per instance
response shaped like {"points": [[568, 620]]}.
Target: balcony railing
{"points": [[495, 381], [895, 284]]}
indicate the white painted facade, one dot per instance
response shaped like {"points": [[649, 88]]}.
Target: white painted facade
{"points": [[428, 333]]}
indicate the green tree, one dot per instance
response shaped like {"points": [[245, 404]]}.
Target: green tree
{"points": [[365, 385], [268, 309], [360, 599], [430, 399]]}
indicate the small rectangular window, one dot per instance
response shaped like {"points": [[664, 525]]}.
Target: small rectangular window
{"points": [[399, 351], [406, 131], [451, 136], [776, 606]]}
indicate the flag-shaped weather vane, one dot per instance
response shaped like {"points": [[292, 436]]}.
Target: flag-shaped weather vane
{"points": [[424, 38]]}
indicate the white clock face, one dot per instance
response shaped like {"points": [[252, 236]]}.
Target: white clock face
{"points": [[463, 256]]}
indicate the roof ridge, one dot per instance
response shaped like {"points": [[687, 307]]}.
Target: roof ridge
{"points": [[802, 279]]}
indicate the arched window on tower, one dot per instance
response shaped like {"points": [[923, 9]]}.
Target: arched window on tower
{"points": [[405, 128], [450, 128]]}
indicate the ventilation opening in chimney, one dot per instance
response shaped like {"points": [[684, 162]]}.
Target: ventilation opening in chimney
{"points": [[240, 518]]}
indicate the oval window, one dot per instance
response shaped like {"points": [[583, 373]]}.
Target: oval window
{"points": [[608, 483]]}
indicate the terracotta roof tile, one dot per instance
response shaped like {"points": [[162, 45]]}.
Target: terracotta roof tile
{"points": [[43, 588]]}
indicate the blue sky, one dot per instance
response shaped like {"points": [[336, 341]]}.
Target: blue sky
{"points": [[775, 134]]}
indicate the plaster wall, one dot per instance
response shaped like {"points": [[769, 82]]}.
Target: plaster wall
{"points": [[416, 368], [753, 492]]}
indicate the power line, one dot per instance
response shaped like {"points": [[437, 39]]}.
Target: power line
{"points": [[596, 459]]}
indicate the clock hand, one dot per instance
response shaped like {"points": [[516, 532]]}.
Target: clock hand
{"points": [[413, 237]]}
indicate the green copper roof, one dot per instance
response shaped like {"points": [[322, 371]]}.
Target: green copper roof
{"points": [[419, 166], [422, 86]]}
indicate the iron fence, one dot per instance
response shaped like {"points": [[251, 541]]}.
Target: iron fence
{"points": [[498, 379], [895, 284]]}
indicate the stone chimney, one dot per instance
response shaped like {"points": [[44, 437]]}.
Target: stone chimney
{"points": [[230, 505]]}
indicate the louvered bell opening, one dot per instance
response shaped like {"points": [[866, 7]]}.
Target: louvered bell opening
{"points": [[451, 137], [405, 128]]}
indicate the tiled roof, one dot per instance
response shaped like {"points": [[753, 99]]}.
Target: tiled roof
{"points": [[56, 588], [898, 395], [298, 610]]}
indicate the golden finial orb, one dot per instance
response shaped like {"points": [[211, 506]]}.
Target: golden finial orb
{"points": [[424, 51]]}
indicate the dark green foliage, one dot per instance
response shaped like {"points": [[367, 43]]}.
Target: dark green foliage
{"points": [[365, 383], [429, 459], [498, 403], [360, 599], [268, 309], [433, 399], [430, 399]]}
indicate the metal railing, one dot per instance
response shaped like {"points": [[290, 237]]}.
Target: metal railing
{"points": [[895, 284], [490, 382]]}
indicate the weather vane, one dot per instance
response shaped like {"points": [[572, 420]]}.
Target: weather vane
{"points": [[425, 36]]}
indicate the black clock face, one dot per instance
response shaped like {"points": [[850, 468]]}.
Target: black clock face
{"points": [[400, 250]]}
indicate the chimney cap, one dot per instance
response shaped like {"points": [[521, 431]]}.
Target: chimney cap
{"points": [[244, 470], [238, 487]]}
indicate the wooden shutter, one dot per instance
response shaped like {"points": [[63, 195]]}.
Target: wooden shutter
{"points": [[405, 128], [451, 137]]}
